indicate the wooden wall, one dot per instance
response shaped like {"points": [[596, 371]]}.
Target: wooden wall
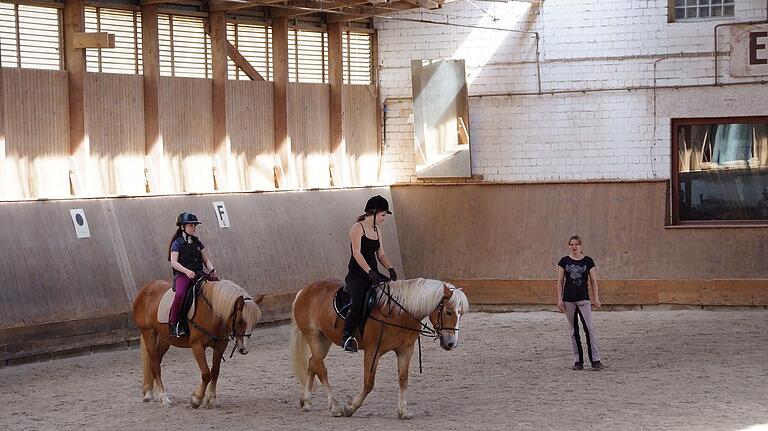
{"points": [[360, 133], [250, 122], [114, 124], [37, 135], [309, 132], [504, 240]]}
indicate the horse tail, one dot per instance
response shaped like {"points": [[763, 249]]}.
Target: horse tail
{"points": [[298, 350]]}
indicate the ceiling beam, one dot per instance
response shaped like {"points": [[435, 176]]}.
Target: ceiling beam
{"points": [[365, 12]]}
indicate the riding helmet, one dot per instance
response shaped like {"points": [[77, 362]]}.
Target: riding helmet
{"points": [[186, 218], [377, 204]]}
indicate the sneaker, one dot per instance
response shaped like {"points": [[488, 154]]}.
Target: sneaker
{"points": [[350, 345], [577, 366], [597, 366]]}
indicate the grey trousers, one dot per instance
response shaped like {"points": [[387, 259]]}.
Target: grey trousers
{"points": [[583, 311]]}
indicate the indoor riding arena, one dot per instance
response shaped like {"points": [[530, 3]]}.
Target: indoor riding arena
{"points": [[496, 131]]}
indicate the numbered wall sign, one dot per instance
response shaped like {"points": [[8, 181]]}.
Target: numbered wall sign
{"points": [[221, 214], [80, 222]]}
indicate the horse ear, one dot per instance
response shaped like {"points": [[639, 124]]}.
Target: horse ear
{"points": [[257, 300], [447, 291]]}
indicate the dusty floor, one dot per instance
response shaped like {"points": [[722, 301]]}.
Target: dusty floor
{"points": [[667, 370]]}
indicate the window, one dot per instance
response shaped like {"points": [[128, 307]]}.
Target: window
{"points": [[255, 44], [307, 56], [720, 170], [29, 37], [184, 47], [356, 54], [689, 10], [125, 57]]}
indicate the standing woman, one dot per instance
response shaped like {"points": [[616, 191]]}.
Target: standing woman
{"points": [[366, 245], [188, 257], [575, 271]]}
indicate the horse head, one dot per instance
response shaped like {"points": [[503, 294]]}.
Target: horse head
{"points": [[447, 315], [245, 316]]}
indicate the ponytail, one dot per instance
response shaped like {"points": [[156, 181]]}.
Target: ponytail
{"points": [[170, 244], [361, 218]]}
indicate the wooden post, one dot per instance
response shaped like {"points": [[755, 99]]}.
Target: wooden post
{"points": [[283, 174], [221, 145], [335, 109], [79, 148], [153, 138]]}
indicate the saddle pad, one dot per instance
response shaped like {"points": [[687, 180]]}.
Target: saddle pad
{"points": [[165, 307]]}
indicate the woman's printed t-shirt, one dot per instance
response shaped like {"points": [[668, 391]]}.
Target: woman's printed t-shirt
{"points": [[576, 277]]}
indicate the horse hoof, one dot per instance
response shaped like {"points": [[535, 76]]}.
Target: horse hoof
{"points": [[165, 401], [405, 416], [337, 412], [195, 402], [209, 403], [349, 411], [149, 396], [306, 407]]}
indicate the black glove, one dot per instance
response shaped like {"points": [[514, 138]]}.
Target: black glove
{"points": [[374, 276], [392, 274]]}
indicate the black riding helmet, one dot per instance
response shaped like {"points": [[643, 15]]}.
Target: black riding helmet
{"points": [[186, 218], [377, 204]]}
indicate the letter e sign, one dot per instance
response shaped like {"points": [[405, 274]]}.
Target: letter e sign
{"points": [[221, 214]]}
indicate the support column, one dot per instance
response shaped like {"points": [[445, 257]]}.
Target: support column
{"points": [[339, 175], [4, 188], [283, 174], [153, 137], [221, 145], [79, 147]]}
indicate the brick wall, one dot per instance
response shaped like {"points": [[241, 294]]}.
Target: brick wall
{"points": [[617, 50]]}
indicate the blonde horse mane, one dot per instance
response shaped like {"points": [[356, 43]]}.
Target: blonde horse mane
{"points": [[420, 296], [223, 295]]}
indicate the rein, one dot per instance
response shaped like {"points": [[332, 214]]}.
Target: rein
{"points": [[231, 337], [425, 330]]}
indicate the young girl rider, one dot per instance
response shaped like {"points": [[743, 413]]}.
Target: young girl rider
{"points": [[366, 245], [188, 256]]}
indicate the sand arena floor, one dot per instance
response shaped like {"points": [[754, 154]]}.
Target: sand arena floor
{"points": [[691, 370]]}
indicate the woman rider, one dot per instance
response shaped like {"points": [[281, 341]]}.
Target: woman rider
{"points": [[366, 245]]}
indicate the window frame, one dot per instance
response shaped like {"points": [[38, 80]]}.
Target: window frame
{"points": [[671, 15], [674, 189]]}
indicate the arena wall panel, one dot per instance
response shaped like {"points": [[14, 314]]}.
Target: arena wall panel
{"points": [[62, 293]]}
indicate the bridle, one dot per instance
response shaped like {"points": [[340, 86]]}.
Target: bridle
{"points": [[424, 330], [231, 337]]}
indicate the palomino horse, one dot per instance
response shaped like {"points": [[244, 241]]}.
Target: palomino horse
{"points": [[224, 310], [315, 326]]}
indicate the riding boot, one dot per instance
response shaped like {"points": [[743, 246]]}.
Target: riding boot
{"points": [[348, 341], [173, 330]]}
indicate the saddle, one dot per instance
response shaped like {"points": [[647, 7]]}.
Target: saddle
{"points": [[342, 302], [187, 307]]}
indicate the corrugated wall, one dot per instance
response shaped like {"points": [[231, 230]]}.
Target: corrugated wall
{"points": [[360, 133], [115, 127], [250, 125], [186, 126], [37, 133], [309, 133]]}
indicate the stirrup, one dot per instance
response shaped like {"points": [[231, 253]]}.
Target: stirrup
{"points": [[350, 345]]}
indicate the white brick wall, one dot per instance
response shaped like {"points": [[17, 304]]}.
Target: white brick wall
{"points": [[584, 45]]}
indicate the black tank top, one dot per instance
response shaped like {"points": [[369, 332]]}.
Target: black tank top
{"points": [[368, 248]]}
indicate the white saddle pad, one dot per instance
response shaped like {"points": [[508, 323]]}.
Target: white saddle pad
{"points": [[164, 309]]}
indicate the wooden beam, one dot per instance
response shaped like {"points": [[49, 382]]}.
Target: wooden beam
{"points": [[280, 104], [306, 7], [4, 180], [150, 56], [93, 40], [365, 12], [235, 5], [243, 63], [221, 147], [79, 148], [335, 109]]}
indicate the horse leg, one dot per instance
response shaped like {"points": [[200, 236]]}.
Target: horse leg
{"points": [[369, 376], [403, 362], [319, 345], [197, 396], [152, 349], [162, 349], [210, 393]]}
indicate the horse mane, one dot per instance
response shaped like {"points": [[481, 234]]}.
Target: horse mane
{"points": [[420, 296], [223, 295]]}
